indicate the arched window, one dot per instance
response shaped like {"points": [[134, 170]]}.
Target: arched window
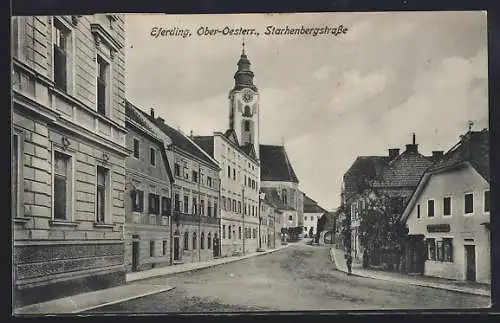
{"points": [[283, 196], [229, 232], [202, 240], [247, 111], [194, 241], [186, 241], [209, 241], [247, 125]]}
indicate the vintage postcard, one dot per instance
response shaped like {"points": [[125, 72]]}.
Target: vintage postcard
{"points": [[250, 162]]}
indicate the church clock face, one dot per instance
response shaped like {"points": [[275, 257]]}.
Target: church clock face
{"points": [[247, 96]]}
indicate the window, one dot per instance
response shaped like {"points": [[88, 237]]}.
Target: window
{"points": [[215, 210], [136, 148], [195, 176], [224, 231], [253, 184], [151, 248], [431, 249], [439, 247], [209, 208], [249, 182], [186, 172], [166, 205], [186, 241], [177, 203], [137, 201], [202, 241], [448, 249], [239, 206], [234, 174], [195, 243], [224, 203], [247, 111], [447, 206], [430, 208], [418, 211], [254, 233], [469, 203], [102, 75], [17, 178], [487, 201], [164, 248], [154, 204], [61, 43], [229, 232], [209, 240], [228, 171], [209, 181], [62, 186], [194, 207], [202, 207], [234, 206], [101, 194], [283, 196], [177, 169], [247, 125], [202, 178], [290, 218], [186, 204], [152, 156], [239, 233]]}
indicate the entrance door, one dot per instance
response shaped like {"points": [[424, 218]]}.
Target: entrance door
{"points": [[135, 255], [417, 256], [216, 247], [470, 261], [176, 248]]}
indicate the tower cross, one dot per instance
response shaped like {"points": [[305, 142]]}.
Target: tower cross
{"points": [[470, 124], [243, 46]]}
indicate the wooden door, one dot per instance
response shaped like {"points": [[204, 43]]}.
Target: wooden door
{"points": [[470, 262]]}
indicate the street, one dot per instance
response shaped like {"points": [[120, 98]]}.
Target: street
{"points": [[298, 278]]}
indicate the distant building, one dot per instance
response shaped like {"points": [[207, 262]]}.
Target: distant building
{"points": [[148, 197], [327, 228], [195, 197], [448, 215], [239, 191], [68, 162], [396, 179], [312, 213]]}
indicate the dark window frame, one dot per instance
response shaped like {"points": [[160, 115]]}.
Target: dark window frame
{"points": [[469, 206], [447, 206], [136, 147], [430, 203]]}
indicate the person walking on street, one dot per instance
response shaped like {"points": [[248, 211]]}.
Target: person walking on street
{"points": [[348, 258]]}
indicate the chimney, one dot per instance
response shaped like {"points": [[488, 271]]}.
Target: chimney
{"points": [[393, 153], [437, 155], [191, 134], [152, 113], [413, 147]]}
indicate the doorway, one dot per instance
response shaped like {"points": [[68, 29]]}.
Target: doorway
{"points": [[216, 247], [176, 248], [470, 262], [135, 255]]}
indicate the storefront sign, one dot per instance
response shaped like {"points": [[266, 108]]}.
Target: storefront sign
{"points": [[438, 228]]}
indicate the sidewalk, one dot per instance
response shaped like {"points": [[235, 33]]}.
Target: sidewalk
{"points": [[88, 301], [170, 270], [337, 256]]}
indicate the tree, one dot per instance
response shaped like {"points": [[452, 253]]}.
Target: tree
{"points": [[345, 227], [380, 230]]}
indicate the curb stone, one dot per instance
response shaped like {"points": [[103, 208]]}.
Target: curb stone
{"points": [[409, 282]]}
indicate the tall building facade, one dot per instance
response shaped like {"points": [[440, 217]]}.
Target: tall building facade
{"points": [[148, 198], [68, 154]]}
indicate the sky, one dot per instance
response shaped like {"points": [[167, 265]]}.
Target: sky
{"points": [[328, 98]]}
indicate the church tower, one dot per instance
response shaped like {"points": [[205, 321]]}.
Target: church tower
{"points": [[244, 105]]}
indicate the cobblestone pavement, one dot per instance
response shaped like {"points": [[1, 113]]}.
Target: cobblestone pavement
{"points": [[300, 277]]}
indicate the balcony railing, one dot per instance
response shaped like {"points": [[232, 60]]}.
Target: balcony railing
{"points": [[186, 217], [147, 219]]}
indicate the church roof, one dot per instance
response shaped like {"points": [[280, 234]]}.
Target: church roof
{"points": [[275, 165], [311, 206], [273, 198]]}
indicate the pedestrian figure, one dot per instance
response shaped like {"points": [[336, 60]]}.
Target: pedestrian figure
{"points": [[349, 263]]}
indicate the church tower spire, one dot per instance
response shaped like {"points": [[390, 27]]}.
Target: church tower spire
{"points": [[244, 104]]}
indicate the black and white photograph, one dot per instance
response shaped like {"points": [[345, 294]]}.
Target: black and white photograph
{"points": [[250, 163]]}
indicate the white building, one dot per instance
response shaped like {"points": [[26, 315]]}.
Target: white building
{"points": [[312, 213], [448, 216]]}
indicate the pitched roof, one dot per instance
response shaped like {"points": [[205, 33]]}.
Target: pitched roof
{"points": [[364, 168], [275, 165], [403, 171], [180, 140], [473, 148], [206, 143], [311, 206]]}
